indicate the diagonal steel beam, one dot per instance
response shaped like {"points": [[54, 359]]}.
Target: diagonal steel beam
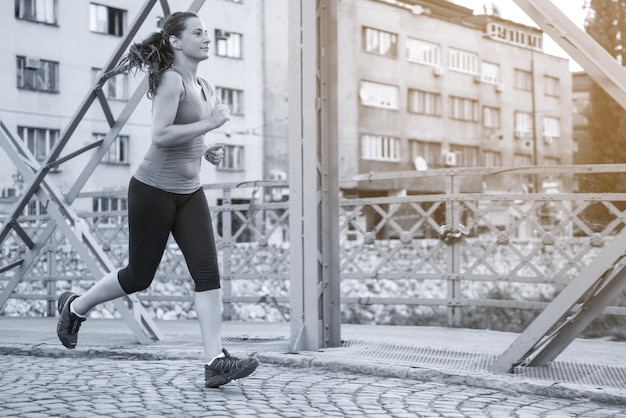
{"points": [[561, 307], [62, 216], [90, 252]]}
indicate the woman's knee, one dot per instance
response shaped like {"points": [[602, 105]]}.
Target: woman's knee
{"points": [[133, 282]]}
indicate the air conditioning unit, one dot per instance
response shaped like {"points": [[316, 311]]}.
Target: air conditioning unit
{"points": [[548, 140], [33, 62], [477, 79], [438, 71], [449, 159], [500, 87], [222, 34]]}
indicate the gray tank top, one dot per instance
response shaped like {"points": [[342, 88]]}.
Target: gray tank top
{"points": [[177, 169]]}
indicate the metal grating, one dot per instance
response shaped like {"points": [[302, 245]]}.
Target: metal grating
{"points": [[596, 375], [258, 344]]}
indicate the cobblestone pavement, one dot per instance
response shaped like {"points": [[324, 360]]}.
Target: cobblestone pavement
{"points": [[88, 387]]}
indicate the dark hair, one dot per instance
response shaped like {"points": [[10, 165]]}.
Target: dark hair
{"points": [[154, 55]]}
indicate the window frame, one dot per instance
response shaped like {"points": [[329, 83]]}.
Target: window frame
{"points": [[380, 99], [462, 61], [31, 136], [430, 151], [225, 94], [369, 34], [111, 84], [524, 83], [380, 148], [20, 12], [426, 103], [494, 112], [120, 146], [459, 109], [424, 52], [226, 41], [22, 75], [113, 29]]}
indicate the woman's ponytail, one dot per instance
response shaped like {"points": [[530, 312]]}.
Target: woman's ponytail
{"points": [[155, 54]]}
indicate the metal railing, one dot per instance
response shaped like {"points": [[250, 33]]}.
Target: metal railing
{"points": [[451, 250]]}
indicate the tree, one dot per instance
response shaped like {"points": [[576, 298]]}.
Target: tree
{"points": [[606, 23]]}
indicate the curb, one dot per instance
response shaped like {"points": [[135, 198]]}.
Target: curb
{"points": [[505, 383]]}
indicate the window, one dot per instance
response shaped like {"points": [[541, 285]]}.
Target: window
{"points": [[493, 159], [37, 74], [118, 151], [380, 148], [42, 11], [523, 80], [105, 19], [423, 52], [109, 204], [424, 102], [233, 158], [39, 141], [463, 61], [552, 86], [464, 109], [379, 95], [466, 156], [491, 117], [521, 160], [523, 125], [115, 88], [489, 73], [551, 127], [429, 151], [36, 208], [515, 36], [232, 98], [379, 42], [228, 44]]}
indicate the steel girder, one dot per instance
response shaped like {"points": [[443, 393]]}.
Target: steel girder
{"points": [[62, 215], [586, 296], [313, 175]]}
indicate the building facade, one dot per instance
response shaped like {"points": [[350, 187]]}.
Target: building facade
{"points": [[433, 85], [53, 52]]}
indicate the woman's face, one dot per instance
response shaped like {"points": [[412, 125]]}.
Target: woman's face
{"points": [[194, 40]]}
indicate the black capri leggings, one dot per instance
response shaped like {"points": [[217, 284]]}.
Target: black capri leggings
{"points": [[152, 215]]}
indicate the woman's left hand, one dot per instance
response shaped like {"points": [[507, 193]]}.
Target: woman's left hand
{"points": [[214, 154]]}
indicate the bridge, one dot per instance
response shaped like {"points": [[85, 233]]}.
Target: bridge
{"points": [[316, 209]]}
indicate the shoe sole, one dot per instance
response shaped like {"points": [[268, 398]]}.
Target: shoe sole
{"points": [[60, 308], [218, 381]]}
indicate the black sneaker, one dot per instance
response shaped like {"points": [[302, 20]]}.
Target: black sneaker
{"points": [[69, 324], [224, 369]]}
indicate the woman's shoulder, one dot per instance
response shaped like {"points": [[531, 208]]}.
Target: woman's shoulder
{"points": [[171, 76], [172, 82]]}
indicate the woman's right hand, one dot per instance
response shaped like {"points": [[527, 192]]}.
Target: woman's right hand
{"points": [[219, 115]]}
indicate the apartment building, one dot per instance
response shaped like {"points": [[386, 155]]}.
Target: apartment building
{"points": [[53, 51], [436, 86]]}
